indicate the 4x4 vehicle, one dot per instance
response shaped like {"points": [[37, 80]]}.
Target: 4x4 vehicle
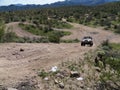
{"points": [[87, 40]]}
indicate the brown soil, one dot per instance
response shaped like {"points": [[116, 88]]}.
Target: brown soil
{"points": [[16, 65]]}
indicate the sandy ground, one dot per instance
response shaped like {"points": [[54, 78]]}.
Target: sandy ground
{"points": [[16, 65]]}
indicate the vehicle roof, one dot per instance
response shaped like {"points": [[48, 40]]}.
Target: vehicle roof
{"points": [[87, 37]]}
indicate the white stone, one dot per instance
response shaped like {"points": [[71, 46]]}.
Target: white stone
{"points": [[12, 89], [54, 69], [46, 79], [80, 78]]}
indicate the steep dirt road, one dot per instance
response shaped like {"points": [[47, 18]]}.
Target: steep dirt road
{"points": [[16, 65]]}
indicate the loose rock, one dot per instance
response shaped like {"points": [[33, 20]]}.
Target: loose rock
{"points": [[56, 81], [80, 79], [2, 87], [74, 74], [46, 79], [61, 85]]}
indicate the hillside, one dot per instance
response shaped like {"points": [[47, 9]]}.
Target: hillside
{"points": [[107, 16], [56, 4], [40, 49], [21, 62]]}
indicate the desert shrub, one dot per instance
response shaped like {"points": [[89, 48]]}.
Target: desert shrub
{"points": [[60, 24], [106, 45], [110, 78], [47, 32], [71, 19], [117, 28], [9, 37], [64, 33], [1, 33], [54, 37], [73, 67], [43, 74], [23, 19], [43, 40], [113, 57], [31, 28], [40, 40]]}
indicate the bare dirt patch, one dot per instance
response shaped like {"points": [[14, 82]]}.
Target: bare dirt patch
{"points": [[16, 65]]}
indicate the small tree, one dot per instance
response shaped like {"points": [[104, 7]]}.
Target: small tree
{"points": [[54, 37]]}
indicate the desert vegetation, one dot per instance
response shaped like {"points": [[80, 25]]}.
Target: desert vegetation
{"points": [[1, 31], [45, 20], [107, 16], [110, 77], [67, 65], [6, 36], [45, 31]]}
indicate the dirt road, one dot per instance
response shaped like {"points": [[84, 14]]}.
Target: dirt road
{"points": [[17, 65], [98, 34]]}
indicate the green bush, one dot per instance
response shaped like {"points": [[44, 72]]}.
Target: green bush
{"points": [[54, 37], [117, 29], [37, 30], [73, 67], [49, 34], [106, 76], [111, 58], [9, 37], [1, 33], [65, 33], [43, 74]]}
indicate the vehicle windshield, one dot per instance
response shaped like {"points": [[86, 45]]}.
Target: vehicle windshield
{"points": [[87, 38]]}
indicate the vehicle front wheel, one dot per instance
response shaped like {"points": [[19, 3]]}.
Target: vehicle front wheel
{"points": [[91, 44], [82, 44]]}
